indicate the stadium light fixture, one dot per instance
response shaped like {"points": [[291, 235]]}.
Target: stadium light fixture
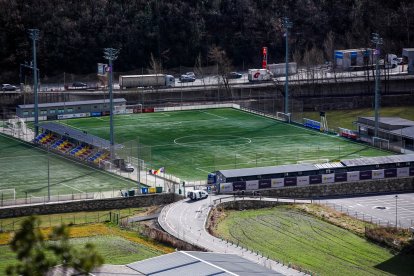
{"points": [[34, 35], [111, 54], [287, 24], [377, 40]]}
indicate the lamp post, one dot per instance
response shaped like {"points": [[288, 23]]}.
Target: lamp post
{"points": [[377, 40], [34, 35], [111, 54], [396, 218], [287, 24]]}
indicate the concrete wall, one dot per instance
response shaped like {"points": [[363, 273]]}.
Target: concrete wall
{"points": [[88, 205], [356, 188]]}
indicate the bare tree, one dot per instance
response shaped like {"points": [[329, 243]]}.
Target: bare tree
{"points": [[220, 58], [155, 65], [199, 69]]}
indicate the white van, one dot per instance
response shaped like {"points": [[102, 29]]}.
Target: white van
{"points": [[197, 194]]}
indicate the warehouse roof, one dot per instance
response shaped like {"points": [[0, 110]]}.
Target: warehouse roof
{"points": [[79, 135], [199, 263], [75, 103], [379, 160], [267, 170], [393, 121], [406, 132]]}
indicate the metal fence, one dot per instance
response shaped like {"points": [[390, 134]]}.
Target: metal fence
{"points": [[362, 216], [13, 224]]}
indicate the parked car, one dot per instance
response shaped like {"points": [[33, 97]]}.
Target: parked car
{"points": [[234, 75], [8, 87], [80, 85], [197, 194], [187, 78]]}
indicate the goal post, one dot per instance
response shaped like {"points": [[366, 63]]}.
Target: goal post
{"points": [[285, 117], [8, 194], [381, 143]]}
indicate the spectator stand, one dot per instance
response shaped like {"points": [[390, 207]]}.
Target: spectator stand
{"points": [[74, 143]]}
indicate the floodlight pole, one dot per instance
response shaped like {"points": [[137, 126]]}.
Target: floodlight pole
{"points": [[287, 24], [34, 35], [396, 221], [111, 54], [48, 174], [377, 40]]}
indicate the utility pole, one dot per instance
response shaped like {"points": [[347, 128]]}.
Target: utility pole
{"points": [[287, 24], [34, 35], [111, 54], [377, 40]]}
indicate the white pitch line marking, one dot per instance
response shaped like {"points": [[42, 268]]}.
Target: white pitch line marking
{"points": [[72, 188]]}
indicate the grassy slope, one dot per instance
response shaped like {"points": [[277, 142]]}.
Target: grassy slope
{"points": [[286, 234], [25, 168], [117, 246], [192, 143], [344, 118], [114, 250]]}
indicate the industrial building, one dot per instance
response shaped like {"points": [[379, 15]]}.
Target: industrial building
{"points": [[181, 263], [75, 109], [396, 132]]}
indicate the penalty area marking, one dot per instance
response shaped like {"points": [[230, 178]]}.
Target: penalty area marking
{"points": [[73, 188], [197, 143]]}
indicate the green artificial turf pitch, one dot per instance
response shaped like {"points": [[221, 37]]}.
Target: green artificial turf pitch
{"points": [[190, 144], [25, 168]]}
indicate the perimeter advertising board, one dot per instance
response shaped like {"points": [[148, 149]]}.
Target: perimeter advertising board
{"points": [[226, 187], [277, 182], [252, 185], [401, 172], [390, 173], [265, 184], [239, 186], [328, 178], [303, 180], [340, 177], [315, 179], [290, 181], [377, 174], [352, 176], [365, 175]]}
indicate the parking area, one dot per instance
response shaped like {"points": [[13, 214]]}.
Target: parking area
{"points": [[387, 209]]}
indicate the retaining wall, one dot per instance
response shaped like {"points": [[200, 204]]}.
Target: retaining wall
{"points": [[88, 205], [344, 189]]}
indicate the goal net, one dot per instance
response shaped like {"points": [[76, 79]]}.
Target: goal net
{"points": [[283, 116], [8, 194], [381, 143]]}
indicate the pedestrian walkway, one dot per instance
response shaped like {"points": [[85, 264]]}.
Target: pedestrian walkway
{"points": [[186, 220]]}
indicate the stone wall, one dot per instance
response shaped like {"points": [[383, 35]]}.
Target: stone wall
{"points": [[248, 204], [89, 205], [344, 189]]}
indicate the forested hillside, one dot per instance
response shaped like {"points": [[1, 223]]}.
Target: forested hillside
{"points": [[74, 32]]}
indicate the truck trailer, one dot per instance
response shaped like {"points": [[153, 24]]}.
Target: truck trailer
{"points": [[279, 69], [155, 80], [259, 75]]}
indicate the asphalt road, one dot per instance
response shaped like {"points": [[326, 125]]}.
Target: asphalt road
{"points": [[381, 208], [186, 219]]}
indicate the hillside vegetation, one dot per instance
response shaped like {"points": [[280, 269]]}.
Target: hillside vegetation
{"points": [[288, 234], [182, 33]]}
